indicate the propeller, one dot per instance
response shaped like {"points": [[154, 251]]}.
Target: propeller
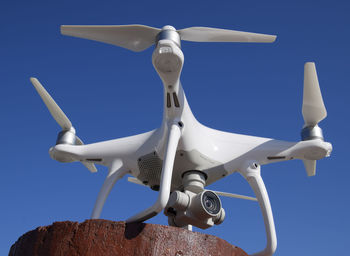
{"points": [[52, 106], [313, 110], [310, 167], [136, 181], [60, 117], [139, 37]]}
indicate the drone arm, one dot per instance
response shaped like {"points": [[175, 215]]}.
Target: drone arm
{"points": [[272, 151], [252, 174], [116, 172], [165, 180]]}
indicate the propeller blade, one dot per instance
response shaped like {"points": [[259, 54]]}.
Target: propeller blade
{"points": [[78, 141], [310, 166], [135, 181], [204, 34], [235, 196], [313, 109], [91, 166], [54, 109], [133, 37]]}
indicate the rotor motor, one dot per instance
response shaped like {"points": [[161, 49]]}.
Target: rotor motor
{"points": [[311, 133], [66, 137]]}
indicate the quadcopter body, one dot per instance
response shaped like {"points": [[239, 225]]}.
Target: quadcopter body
{"points": [[182, 156]]}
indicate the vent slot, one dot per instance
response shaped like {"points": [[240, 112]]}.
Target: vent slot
{"points": [[275, 157], [168, 100], [176, 100], [94, 159]]}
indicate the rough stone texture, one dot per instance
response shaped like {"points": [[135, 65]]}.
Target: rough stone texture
{"points": [[103, 237]]}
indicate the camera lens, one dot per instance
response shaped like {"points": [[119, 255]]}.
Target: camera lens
{"points": [[211, 202]]}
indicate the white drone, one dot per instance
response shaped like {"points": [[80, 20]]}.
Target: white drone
{"points": [[183, 156]]}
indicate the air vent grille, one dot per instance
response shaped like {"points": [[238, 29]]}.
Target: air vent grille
{"points": [[150, 166]]}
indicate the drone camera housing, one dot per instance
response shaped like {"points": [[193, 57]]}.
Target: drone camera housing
{"points": [[202, 210]]}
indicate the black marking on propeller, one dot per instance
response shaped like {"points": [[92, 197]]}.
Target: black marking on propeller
{"points": [[275, 157], [168, 100], [94, 159], [176, 100]]}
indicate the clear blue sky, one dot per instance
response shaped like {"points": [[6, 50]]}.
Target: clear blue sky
{"points": [[109, 92]]}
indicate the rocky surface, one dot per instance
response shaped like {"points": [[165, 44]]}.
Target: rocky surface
{"points": [[103, 237]]}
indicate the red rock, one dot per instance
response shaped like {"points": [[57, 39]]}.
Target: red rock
{"points": [[107, 238]]}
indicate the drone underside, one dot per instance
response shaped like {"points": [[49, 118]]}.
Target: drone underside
{"points": [[183, 156]]}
